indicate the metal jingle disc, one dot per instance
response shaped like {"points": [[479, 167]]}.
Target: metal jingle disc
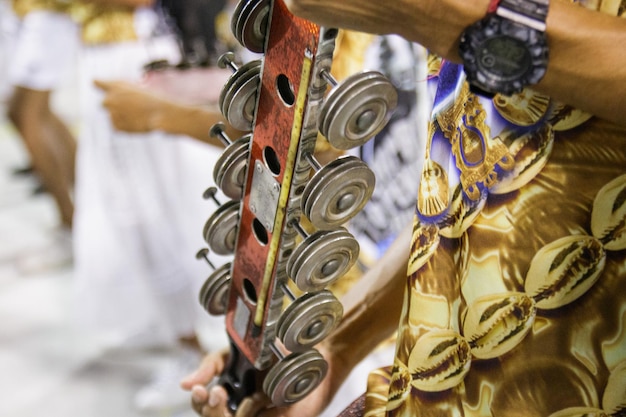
{"points": [[244, 73], [220, 231], [214, 292], [294, 377], [249, 25], [234, 89], [362, 116], [308, 320], [345, 89], [337, 192], [236, 15], [229, 172], [241, 105], [322, 258], [357, 109], [250, 12]]}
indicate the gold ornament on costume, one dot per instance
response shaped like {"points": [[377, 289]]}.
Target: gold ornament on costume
{"points": [[424, 241], [476, 154], [433, 64], [496, 323], [564, 117], [432, 195], [439, 360], [377, 391], [433, 191], [608, 217], [399, 386], [461, 214], [525, 108], [563, 270], [530, 152]]}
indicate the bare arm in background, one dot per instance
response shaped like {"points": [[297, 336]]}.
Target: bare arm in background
{"points": [[136, 109]]}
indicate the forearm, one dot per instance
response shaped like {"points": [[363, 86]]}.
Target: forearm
{"points": [[191, 121], [435, 24], [587, 67], [372, 308], [587, 63]]}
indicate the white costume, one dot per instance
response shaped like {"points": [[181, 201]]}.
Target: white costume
{"points": [[44, 50], [8, 26], [139, 210]]}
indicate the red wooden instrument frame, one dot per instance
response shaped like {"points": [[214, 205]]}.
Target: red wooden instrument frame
{"points": [[290, 41]]}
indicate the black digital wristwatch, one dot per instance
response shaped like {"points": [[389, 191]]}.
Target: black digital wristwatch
{"points": [[507, 50]]}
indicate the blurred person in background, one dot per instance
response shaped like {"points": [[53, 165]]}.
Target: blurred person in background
{"points": [[195, 23], [138, 207], [8, 23], [41, 54]]}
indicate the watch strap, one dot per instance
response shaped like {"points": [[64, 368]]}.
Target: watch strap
{"points": [[493, 6], [531, 13]]}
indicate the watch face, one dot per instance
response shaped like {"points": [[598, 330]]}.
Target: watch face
{"points": [[501, 56], [504, 57]]}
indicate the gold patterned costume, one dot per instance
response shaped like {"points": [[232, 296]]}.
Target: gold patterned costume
{"points": [[515, 302], [99, 23], [22, 7], [102, 24]]}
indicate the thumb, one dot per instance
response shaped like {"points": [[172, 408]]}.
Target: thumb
{"points": [[203, 375], [252, 406], [101, 84]]}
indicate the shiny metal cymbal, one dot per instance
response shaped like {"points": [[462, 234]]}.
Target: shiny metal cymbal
{"points": [[240, 74], [229, 172], [322, 258], [237, 99], [308, 320], [249, 23], [357, 109], [294, 377], [214, 292], [337, 192], [220, 230], [241, 106]]}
